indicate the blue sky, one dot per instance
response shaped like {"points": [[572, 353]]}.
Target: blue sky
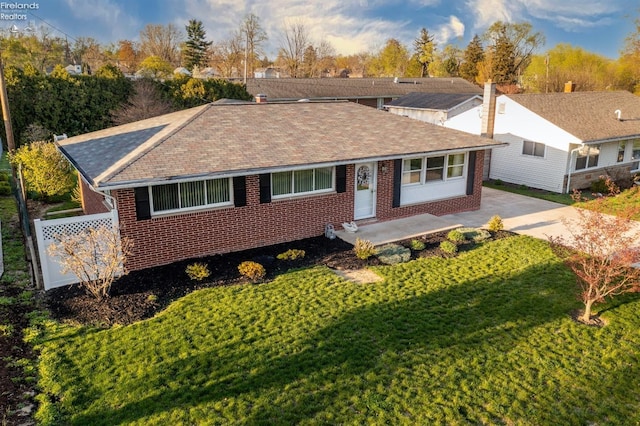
{"points": [[351, 26]]}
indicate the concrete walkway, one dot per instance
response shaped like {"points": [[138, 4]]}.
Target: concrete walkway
{"points": [[521, 214]]}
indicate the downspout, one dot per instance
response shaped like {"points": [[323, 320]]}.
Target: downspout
{"points": [[571, 157], [104, 194]]}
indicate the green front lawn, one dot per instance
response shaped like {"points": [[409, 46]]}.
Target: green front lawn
{"points": [[484, 338], [629, 198]]}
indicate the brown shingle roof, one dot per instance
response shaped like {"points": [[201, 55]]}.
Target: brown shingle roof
{"points": [[228, 139], [352, 88], [590, 116]]}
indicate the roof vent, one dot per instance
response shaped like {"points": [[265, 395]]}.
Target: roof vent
{"points": [[618, 114]]}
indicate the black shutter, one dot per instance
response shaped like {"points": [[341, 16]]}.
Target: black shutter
{"points": [[397, 181], [265, 188], [471, 175], [143, 207], [341, 179], [239, 191]]}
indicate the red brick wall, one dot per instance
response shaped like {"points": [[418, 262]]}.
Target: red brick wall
{"points": [[164, 240], [92, 202]]}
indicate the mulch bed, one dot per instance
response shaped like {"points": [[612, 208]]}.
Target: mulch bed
{"points": [[141, 294]]}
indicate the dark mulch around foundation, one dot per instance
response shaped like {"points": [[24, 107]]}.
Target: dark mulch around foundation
{"points": [[141, 294]]}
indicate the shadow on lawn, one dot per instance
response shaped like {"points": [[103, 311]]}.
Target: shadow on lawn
{"points": [[337, 357]]}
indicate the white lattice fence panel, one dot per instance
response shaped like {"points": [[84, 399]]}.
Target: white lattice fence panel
{"points": [[47, 230]]}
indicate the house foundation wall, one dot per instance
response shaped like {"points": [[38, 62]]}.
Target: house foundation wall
{"points": [[583, 180]]}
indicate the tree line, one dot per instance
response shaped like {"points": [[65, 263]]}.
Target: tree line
{"points": [[509, 54]]}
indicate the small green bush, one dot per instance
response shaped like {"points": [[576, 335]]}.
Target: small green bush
{"points": [[198, 271], [392, 254], [5, 188], [599, 186], [448, 247], [417, 245], [252, 270], [474, 234], [4, 177], [456, 236], [364, 249], [495, 224], [292, 254]]}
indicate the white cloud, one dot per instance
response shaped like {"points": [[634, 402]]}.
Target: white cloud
{"points": [[566, 15], [489, 11], [453, 29]]}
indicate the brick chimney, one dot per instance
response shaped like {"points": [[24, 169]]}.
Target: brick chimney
{"points": [[261, 98], [569, 87], [488, 109]]}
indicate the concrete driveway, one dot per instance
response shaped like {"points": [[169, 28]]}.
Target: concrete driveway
{"points": [[521, 214]]}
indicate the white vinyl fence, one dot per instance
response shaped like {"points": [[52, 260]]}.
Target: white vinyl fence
{"points": [[46, 230]]}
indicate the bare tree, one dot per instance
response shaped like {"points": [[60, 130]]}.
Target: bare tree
{"points": [[295, 40], [96, 256], [162, 41], [228, 55], [146, 102], [254, 35], [601, 251]]}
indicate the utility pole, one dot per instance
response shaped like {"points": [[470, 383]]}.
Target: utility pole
{"points": [[6, 113]]}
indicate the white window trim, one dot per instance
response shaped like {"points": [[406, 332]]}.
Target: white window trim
{"points": [[575, 164], [306, 193], [189, 209], [544, 154], [445, 171]]}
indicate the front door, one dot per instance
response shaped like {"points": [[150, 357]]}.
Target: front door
{"points": [[365, 201]]}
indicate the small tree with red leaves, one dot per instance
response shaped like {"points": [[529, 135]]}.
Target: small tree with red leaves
{"points": [[601, 250]]}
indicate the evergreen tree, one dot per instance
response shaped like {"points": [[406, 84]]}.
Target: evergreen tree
{"points": [[195, 50], [472, 56], [503, 65], [424, 48]]}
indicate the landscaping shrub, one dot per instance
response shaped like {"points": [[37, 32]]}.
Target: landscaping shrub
{"points": [[45, 170], [392, 254], [448, 247], [417, 245], [198, 271], [495, 224], [4, 177], [364, 249], [474, 234], [599, 186], [5, 188], [252, 270], [291, 254], [456, 236]]}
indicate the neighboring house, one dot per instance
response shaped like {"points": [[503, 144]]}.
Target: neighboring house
{"points": [[74, 69], [373, 92], [434, 108], [562, 141], [226, 177], [267, 73], [182, 71]]}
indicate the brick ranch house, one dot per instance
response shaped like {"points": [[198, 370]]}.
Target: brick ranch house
{"points": [[227, 177]]}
